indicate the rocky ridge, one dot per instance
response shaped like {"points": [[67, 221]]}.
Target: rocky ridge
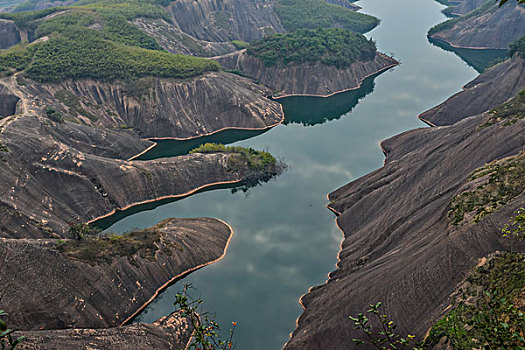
{"points": [[487, 91]]}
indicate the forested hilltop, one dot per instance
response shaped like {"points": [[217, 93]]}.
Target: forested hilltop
{"points": [[94, 39], [334, 47]]}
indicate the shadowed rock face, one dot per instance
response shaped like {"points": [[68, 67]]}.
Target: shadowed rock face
{"points": [[307, 79], [487, 91], [399, 246], [494, 28], [8, 102], [172, 332], [165, 107], [64, 292], [9, 34], [225, 20]]}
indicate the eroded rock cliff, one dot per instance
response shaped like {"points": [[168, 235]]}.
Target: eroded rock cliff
{"points": [[226, 20], [487, 91], [9, 34], [307, 79]]}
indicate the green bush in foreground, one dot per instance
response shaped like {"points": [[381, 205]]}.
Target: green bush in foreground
{"points": [[385, 338], [7, 342], [241, 157], [312, 14], [334, 46]]}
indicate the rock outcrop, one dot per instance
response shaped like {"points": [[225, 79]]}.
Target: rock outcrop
{"points": [[307, 79], [225, 20], [489, 26], [68, 292], [171, 332], [163, 108], [400, 247], [9, 34], [487, 91]]}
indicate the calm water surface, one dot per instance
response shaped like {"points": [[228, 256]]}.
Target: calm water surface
{"points": [[285, 239]]}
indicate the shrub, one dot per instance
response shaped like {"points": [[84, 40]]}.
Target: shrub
{"points": [[54, 115], [241, 158]]}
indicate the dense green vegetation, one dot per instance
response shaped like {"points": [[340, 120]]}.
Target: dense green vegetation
{"points": [[242, 158], [510, 112], [93, 39], [17, 57], [518, 46], [486, 7], [488, 312], [334, 46], [89, 56], [505, 180], [312, 14]]}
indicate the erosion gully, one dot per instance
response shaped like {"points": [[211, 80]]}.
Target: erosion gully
{"points": [[285, 239]]}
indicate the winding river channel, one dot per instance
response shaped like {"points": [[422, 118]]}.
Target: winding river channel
{"points": [[285, 239]]}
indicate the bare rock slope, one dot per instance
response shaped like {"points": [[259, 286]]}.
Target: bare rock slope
{"points": [[76, 288], [307, 79], [400, 246], [489, 26], [172, 332], [488, 90]]}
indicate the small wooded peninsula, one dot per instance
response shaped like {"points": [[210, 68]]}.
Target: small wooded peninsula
{"points": [[112, 111]]}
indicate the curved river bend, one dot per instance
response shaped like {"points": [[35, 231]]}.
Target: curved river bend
{"points": [[285, 239]]}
